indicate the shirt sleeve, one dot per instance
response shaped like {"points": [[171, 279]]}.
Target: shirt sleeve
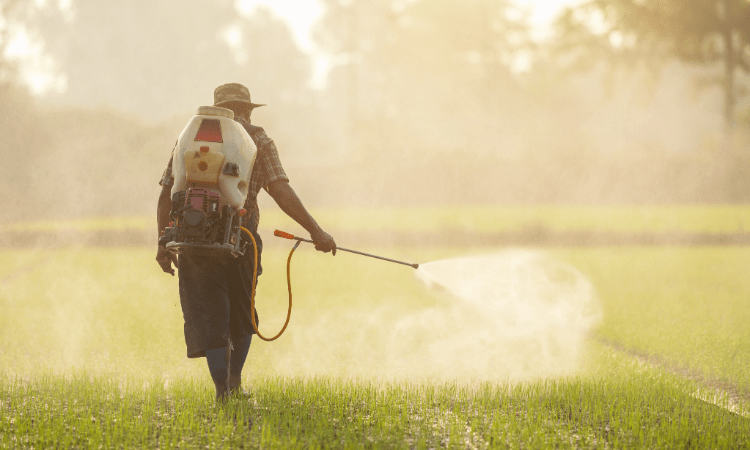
{"points": [[167, 179], [269, 163]]}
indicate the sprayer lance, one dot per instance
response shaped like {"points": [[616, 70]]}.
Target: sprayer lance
{"points": [[285, 235]]}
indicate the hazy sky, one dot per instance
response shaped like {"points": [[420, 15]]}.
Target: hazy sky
{"points": [[301, 14]]}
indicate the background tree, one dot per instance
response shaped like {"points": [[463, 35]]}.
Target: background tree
{"points": [[427, 70], [162, 58], [147, 57], [709, 33], [267, 59], [23, 141], [9, 10]]}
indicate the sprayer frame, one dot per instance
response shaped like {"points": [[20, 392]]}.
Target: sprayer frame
{"points": [[216, 249]]}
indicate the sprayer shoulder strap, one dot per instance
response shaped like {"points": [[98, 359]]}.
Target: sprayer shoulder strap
{"points": [[256, 133], [252, 129]]}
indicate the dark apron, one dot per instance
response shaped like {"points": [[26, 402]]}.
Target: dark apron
{"points": [[215, 299]]}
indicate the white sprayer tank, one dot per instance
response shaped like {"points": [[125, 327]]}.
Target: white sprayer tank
{"points": [[214, 152]]}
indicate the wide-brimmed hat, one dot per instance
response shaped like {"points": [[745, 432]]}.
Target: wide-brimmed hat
{"points": [[233, 92]]}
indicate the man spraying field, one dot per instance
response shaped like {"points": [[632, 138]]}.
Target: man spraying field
{"points": [[215, 290]]}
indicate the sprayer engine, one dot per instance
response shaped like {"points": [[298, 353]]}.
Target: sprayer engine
{"points": [[211, 164], [201, 224]]}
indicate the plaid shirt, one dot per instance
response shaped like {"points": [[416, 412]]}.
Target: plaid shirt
{"points": [[266, 170]]}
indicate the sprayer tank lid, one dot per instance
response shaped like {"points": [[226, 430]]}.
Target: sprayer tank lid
{"points": [[215, 111]]}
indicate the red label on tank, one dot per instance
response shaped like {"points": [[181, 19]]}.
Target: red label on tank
{"points": [[209, 131]]}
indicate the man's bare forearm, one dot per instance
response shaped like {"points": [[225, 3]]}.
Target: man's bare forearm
{"points": [[163, 208], [290, 203], [164, 257]]}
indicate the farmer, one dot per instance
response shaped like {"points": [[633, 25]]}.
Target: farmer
{"points": [[214, 291]]}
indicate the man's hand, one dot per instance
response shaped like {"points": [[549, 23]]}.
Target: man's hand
{"points": [[323, 241], [165, 258]]}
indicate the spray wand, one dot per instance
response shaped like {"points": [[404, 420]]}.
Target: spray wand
{"points": [[285, 235]]}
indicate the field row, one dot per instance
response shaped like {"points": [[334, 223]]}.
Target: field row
{"points": [[482, 219]]}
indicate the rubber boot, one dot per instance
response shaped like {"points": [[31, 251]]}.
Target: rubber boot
{"points": [[237, 362], [217, 364]]}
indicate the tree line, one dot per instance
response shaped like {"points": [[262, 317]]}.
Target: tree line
{"points": [[447, 101]]}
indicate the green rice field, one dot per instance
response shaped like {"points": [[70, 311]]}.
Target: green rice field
{"points": [[92, 353]]}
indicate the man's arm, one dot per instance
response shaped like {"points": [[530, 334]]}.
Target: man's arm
{"points": [[163, 257], [163, 208], [290, 203]]}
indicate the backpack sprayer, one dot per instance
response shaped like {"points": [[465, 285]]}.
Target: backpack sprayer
{"points": [[212, 164]]}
